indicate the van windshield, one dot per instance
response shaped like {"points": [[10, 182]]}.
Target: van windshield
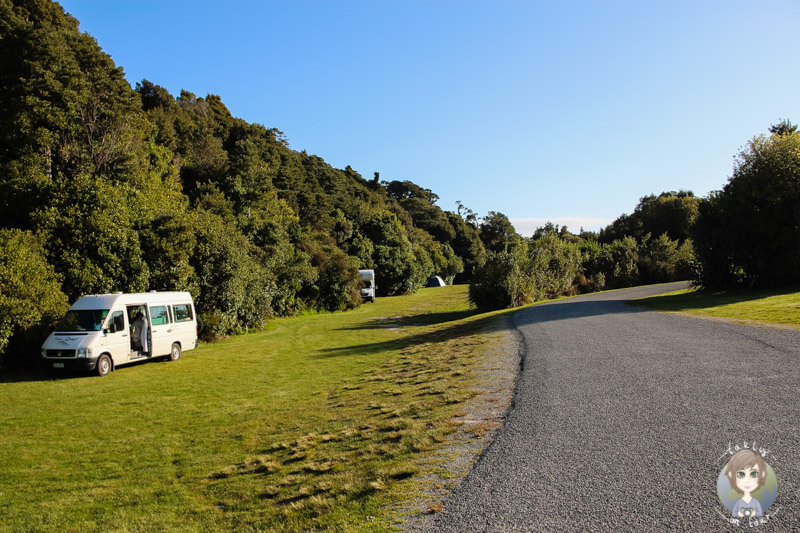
{"points": [[83, 320]]}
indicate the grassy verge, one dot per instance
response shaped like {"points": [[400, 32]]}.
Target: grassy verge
{"points": [[751, 306], [317, 422]]}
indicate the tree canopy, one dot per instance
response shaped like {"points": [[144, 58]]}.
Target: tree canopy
{"points": [[670, 212], [129, 189], [749, 232]]}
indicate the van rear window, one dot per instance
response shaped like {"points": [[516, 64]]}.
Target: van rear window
{"points": [[182, 312]]}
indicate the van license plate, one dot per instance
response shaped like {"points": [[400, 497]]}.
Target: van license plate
{"points": [[58, 365]]}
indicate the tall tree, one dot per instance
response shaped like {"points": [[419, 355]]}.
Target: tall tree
{"points": [[497, 232], [467, 245], [784, 127], [749, 233], [672, 213]]}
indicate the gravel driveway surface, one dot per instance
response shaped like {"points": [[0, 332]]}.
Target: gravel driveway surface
{"points": [[623, 419]]}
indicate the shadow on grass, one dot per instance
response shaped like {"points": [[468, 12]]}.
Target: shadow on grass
{"points": [[471, 321], [422, 319], [42, 372], [704, 299], [544, 312], [27, 374], [448, 333]]}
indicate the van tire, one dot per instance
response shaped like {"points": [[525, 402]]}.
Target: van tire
{"points": [[104, 365], [175, 352]]}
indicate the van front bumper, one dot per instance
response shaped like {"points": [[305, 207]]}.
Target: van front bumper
{"points": [[84, 363]]}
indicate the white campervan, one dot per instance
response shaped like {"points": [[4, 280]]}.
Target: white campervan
{"points": [[103, 331], [368, 286]]}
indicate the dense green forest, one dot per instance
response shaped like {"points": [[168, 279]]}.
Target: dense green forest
{"points": [[105, 187], [108, 188]]}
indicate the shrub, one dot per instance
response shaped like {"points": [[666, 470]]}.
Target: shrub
{"points": [[30, 293], [236, 291], [623, 260], [338, 284], [504, 280], [663, 259], [555, 264]]}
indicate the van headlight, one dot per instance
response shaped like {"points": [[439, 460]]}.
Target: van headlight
{"points": [[44, 352], [83, 353]]}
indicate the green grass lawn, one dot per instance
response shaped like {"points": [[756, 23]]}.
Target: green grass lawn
{"points": [[318, 421], [752, 306]]}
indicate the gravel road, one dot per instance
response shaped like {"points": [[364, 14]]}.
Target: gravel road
{"points": [[623, 418]]}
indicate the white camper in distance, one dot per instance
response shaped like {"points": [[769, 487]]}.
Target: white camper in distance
{"points": [[103, 331], [368, 285]]}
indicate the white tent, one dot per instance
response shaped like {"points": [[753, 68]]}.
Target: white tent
{"points": [[436, 281]]}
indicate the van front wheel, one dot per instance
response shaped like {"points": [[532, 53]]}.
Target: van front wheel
{"points": [[175, 352], [103, 365]]}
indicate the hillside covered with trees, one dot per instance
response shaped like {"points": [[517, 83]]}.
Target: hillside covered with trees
{"points": [[106, 187]]}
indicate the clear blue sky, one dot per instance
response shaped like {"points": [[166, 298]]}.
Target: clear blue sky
{"points": [[561, 110]]}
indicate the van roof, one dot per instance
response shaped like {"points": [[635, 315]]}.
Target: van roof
{"points": [[107, 301]]}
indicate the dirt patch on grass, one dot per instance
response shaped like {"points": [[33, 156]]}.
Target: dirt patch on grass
{"points": [[388, 322], [476, 423]]}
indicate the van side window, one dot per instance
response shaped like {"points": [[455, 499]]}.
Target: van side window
{"points": [[117, 320], [159, 315], [183, 312]]}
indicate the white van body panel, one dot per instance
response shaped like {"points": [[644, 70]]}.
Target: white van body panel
{"points": [[102, 324]]}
